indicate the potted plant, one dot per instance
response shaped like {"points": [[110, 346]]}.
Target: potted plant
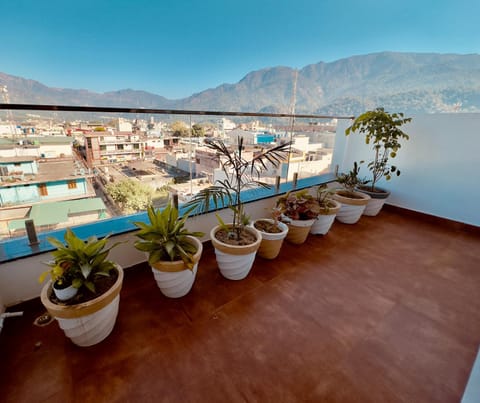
{"points": [[353, 203], [273, 233], [329, 208], [383, 130], [236, 243], [173, 251], [300, 210], [88, 314]]}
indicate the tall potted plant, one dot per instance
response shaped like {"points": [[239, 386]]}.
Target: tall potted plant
{"points": [[353, 203], [383, 131], [300, 210], [173, 251], [88, 313], [236, 243], [329, 208]]}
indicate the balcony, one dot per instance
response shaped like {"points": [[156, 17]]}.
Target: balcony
{"points": [[384, 310]]}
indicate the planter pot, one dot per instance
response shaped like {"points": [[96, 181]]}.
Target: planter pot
{"points": [[173, 278], [298, 230], [90, 322], [64, 294], [325, 219], [376, 202], [352, 208], [235, 261], [271, 242]]}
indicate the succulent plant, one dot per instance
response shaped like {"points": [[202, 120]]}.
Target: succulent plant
{"points": [[165, 237]]}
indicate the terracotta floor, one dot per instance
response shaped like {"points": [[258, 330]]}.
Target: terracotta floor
{"points": [[387, 310]]}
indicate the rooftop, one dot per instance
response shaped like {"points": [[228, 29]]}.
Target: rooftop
{"points": [[34, 141], [386, 310], [50, 171]]}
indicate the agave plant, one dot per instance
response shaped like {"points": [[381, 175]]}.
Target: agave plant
{"points": [[351, 179], [165, 237], [78, 261], [241, 174]]}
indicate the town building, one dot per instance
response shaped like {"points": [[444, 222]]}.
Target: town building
{"points": [[106, 147], [44, 147], [51, 192]]}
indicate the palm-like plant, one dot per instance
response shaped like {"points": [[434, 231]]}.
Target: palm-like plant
{"points": [[165, 237], [241, 174], [79, 262]]}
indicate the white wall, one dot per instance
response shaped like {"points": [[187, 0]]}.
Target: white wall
{"points": [[439, 165]]}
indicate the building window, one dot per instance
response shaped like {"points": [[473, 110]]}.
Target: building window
{"points": [[72, 184], [42, 188]]}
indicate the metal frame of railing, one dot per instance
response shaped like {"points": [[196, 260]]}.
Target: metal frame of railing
{"points": [[115, 109]]}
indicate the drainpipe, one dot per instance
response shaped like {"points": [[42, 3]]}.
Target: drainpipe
{"points": [[8, 315]]}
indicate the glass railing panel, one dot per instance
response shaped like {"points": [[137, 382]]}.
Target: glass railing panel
{"points": [[100, 165]]}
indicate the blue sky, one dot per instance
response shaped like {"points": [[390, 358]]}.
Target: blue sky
{"points": [[175, 48]]}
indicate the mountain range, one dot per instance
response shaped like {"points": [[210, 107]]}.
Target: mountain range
{"points": [[405, 82]]}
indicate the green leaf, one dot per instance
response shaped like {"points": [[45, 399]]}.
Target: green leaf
{"points": [[86, 269], [90, 285]]}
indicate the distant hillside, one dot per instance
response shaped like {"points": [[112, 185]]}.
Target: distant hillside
{"points": [[408, 82]]}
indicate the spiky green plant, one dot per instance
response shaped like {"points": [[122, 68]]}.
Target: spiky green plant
{"points": [[241, 174], [78, 261], [165, 237], [350, 180], [325, 197]]}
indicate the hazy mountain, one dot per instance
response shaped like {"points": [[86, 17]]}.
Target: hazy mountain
{"points": [[408, 82]]}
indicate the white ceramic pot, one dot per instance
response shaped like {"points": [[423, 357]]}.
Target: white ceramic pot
{"points": [[235, 261], [325, 219], [64, 294], [271, 242], [174, 279], [352, 208], [298, 230], [376, 202], [90, 322]]}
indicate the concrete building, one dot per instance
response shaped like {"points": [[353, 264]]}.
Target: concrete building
{"points": [[25, 180], [109, 148], [37, 147], [251, 137]]}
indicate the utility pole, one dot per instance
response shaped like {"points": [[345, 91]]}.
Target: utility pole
{"points": [[292, 119], [6, 100]]}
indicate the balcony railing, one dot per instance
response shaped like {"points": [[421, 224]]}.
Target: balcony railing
{"points": [[282, 126]]}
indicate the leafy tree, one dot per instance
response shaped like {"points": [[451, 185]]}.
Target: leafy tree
{"points": [[198, 130], [383, 131], [130, 195], [179, 129]]}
